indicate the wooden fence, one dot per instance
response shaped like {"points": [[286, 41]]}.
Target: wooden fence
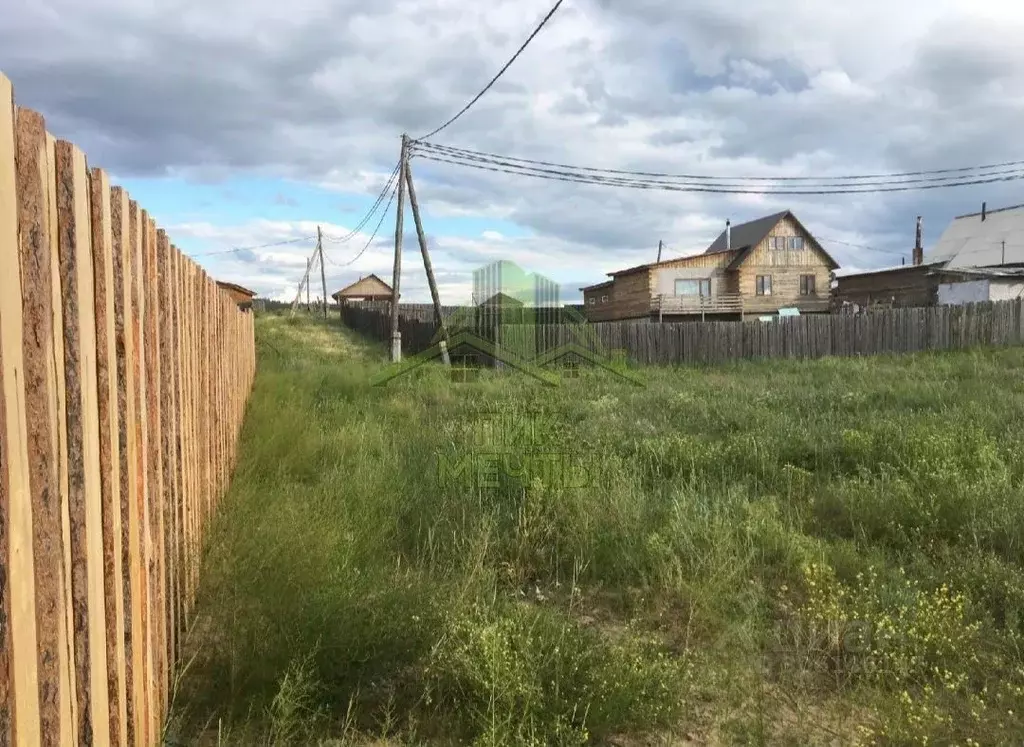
{"points": [[125, 376], [813, 336]]}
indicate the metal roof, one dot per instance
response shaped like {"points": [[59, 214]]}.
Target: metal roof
{"points": [[970, 241], [878, 270], [987, 272], [746, 234]]}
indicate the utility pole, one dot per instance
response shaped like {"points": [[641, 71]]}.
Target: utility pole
{"points": [[659, 249], [1003, 262], [421, 236], [323, 273], [304, 281], [396, 336]]}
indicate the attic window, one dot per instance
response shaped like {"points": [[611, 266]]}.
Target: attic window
{"points": [[592, 300], [782, 243], [604, 299]]}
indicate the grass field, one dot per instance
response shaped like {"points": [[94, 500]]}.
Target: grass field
{"points": [[790, 552]]}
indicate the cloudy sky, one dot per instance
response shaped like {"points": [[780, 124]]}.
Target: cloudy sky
{"points": [[244, 122]]}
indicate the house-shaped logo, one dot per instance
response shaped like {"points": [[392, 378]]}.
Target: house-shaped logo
{"points": [[516, 322]]}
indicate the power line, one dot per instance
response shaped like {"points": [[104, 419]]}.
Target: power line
{"points": [[421, 145], [860, 246], [372, 236], [258, 246], [501, 166], [500, 72], [373, 209]]}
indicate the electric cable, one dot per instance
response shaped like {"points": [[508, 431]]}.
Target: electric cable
{"points": [[500, 72]]}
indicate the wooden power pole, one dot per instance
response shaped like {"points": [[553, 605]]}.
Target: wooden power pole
{"points": [[303, 282], [396, 276], [421, 236], [323, 273], [659, 250]]}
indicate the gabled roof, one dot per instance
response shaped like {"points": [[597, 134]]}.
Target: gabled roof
{"points": [[970, 241], [746, 236], [370, 286], [598, 286], [235, 287]]}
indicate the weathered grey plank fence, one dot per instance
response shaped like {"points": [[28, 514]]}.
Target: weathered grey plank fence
{"points": [[811, 336]]}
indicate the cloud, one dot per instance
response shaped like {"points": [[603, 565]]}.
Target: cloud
{"points": [[319, 91]]}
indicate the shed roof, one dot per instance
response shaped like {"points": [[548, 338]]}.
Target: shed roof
{"points": [[370, 286], [884, 270], [970, 241], [235, 287], [649, 265]]}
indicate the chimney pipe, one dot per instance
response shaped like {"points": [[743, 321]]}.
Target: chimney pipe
{"points": [[983, 211], [918, 255], [728, 235]]}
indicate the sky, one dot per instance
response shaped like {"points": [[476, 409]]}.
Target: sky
{"points": [[240, 123]]}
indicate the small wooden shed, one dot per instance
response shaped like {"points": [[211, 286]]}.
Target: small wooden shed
{"points": [[240, 295], [369, 289]]}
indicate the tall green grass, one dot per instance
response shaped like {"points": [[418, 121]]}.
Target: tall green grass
{"points": [[764, 553]]}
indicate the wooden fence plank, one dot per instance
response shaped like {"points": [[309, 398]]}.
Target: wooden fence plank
{"points": [[19, 681], [42, 421], [122, 250], [110, 448], [167, 464], [73, 218], [144, 352], [151, 520], [69, 693]]}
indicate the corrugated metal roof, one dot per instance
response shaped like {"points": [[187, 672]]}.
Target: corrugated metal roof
{"points": [[970, 241], [988, 272]]}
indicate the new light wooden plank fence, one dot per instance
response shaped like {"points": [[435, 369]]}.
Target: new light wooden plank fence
{"points": [[697, 343], [125, 373]]}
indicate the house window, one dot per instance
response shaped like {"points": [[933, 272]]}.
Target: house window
{"points": [[807, 285], [592, 300], [764, 285], [604, 299], [796, 242], [696, 287]]}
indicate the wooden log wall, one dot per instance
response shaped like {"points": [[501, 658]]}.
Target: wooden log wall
{"points": [[125, 373]]}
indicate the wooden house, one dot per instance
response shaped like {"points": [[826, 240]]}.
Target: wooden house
{"points": [[979, 257], [756, 267], [367, 291], [241, 296]]}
